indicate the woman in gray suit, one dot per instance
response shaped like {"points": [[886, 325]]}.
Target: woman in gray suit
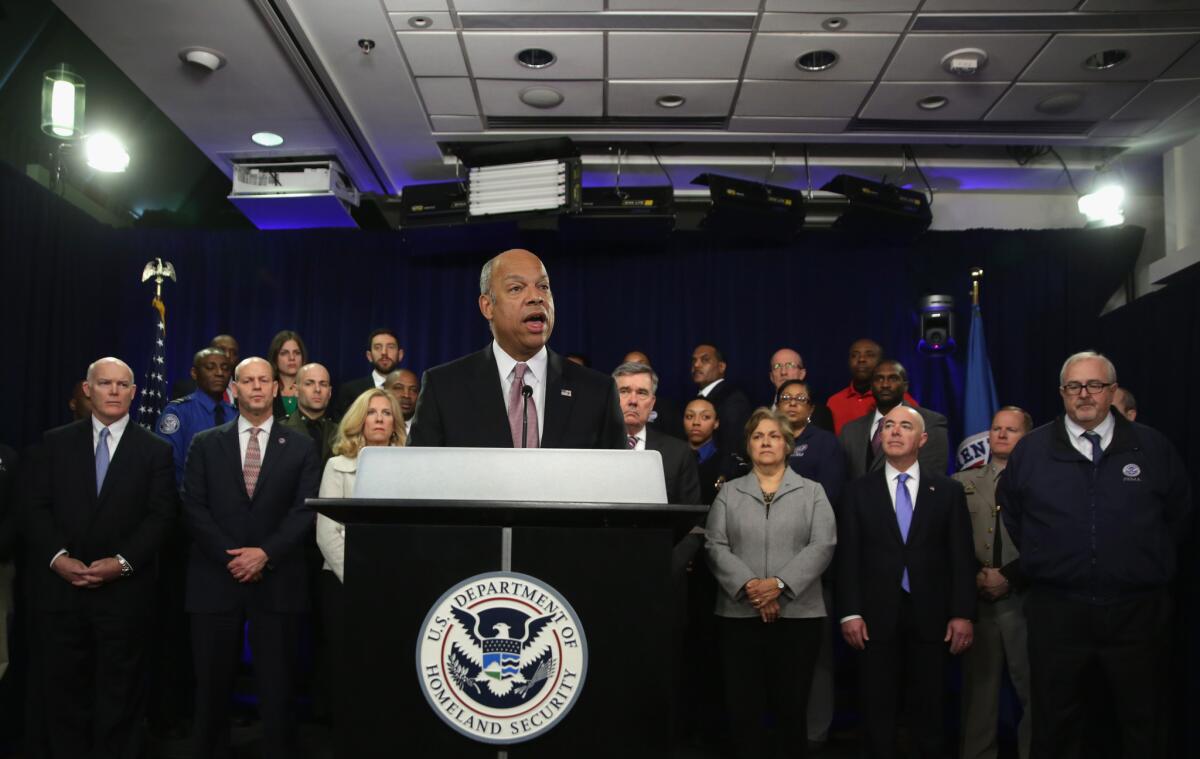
{"points": [[770, 535]]}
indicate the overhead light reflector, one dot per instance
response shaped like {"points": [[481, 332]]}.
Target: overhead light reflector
{"points": [[1105, 206], [106, 153], [522, 177]]}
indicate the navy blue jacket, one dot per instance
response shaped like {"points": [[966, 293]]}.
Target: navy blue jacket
{"points": [[1098, 534], [819, 457]]}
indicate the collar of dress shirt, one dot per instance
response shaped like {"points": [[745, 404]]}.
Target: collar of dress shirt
{"points": [[244, 426], [877, 415], [891, 472], [641, 439], [535, 367], [1104, 430], [377, 378], [706, 451], [115, 430], [704, 391]]}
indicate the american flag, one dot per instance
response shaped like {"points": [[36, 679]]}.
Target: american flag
{"points": [[154, 387]]}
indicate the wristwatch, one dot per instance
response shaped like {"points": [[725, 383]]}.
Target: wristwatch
{"points": [[779, 583], [126, 567]]}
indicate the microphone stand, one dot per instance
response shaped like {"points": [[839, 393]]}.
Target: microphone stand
{"points": [[526, 393]]}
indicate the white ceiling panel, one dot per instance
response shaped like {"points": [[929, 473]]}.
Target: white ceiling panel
{"points": [[680, 55], [1186, 67], [840, 6], [994, 6], [859, 56], [493, 55], [503, 98], [1147, 56], [640, 98], [401, 6], [1091, 101], [1160, 100], [683, 5], [963, 101], [448, 97], [1140, 5], [503, 6], [823, 22], [806, 99], [787, 126], [422, 22], [433, 53], [456, 123], [919, 58], [1123, 129]]}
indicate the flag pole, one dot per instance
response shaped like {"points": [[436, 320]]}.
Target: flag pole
{"points": [[153, 390], [976, 278]]}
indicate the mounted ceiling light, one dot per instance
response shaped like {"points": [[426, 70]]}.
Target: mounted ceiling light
{"points": [[965, 62], [266, 139], [750, 210], [523, 177], [932, 103], [202, 57], [1105, 59], [536, 58], [106, 153], [817, 60], [670, 101], [1104, 207], [62, 103], [541, 97]]}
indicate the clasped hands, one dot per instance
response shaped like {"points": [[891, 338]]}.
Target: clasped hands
{"points": [[960, 633], [247, 564], [763, 595], [82, 575], [992, 584]]}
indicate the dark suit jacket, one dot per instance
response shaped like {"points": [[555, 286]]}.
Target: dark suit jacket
{"points": [[733, 409], [220, 516], [462, 404], [132, 515], [934, 455], [939, 555], [679, 467], [349, 392]]}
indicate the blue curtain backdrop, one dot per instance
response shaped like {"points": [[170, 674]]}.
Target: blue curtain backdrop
{"points": [[72, 293]]}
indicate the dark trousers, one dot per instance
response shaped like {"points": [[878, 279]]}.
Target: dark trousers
{"points": [[1125, 643], [333, 622], [94, 664], [216, 645], [908, 666], [768, 672]]}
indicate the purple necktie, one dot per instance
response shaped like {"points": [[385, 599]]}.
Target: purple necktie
{"points": [[517, 400], [904, 515], [877, 440], [631, 442]]}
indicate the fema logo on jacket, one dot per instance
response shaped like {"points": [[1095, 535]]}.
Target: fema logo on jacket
{"points": [[501, 657]]}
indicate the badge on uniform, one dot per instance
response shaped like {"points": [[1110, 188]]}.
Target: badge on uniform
{"points": [[168, 424], [969, 488]]}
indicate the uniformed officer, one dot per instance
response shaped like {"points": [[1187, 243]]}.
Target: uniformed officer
{"points": [[313, 391], [1000, 633], [202, 409]]}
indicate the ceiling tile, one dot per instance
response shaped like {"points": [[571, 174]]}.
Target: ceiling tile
{"points": [[859, 56], [450, 97], [965, 101], [456, 123], [700, 98], [846, 22], [683, 5], [1148, 56], [501, 97], [995, 6], [502, 6], [401, 6], [430, 22], [1140, 5], [1187, 66], [796, 126], [493, 55], [678, 55], [839, 6], [1096, 101], [1123, 128], [1160, 100], [433, 53], [816, 99], [919, 58]]}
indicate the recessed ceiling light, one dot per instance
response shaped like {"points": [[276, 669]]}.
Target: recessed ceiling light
{"points": [[536, 58], [1105, 59], [541, 97], [817, 60], [1060, 104], [932, 103], [420, 22], [267, 139], [203, 57], [670, 101], [834, 24]]}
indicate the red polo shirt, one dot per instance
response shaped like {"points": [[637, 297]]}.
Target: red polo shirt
{"points": [[849, 404]]}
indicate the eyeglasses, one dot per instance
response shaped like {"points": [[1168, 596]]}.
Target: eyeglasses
{"points": [[788, 365], [793, 399], [1092, 387]]}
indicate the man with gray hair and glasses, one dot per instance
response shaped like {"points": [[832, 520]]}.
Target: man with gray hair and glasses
{"points": [[1097, 505]]}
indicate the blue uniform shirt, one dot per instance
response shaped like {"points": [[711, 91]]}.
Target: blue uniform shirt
{"points": [[183, 418]]}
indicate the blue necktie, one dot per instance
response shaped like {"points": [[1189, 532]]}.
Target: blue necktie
{"points": [[904, 514], [1097, 451], [101, 459]]}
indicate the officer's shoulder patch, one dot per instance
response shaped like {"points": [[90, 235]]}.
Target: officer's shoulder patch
{"points": [[168, 424]]}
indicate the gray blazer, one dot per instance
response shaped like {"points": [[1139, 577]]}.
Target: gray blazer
{"points": [[934, 456], [794, 543]]}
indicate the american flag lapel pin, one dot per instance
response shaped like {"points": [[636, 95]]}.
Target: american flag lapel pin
{"points": [[565, 392]]}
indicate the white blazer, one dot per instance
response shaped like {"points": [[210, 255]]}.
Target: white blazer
{"points": [[336, 482]]}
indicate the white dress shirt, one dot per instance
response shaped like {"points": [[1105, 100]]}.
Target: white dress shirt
{"points": [[377, 378], [1082, 444], [641, 439], [892, 474], [704, 391], [875, 420], [535, 377], [244, 426]]}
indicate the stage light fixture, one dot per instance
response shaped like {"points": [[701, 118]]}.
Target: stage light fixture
{"points": [[937, 325], [63, 100], [536, 176], [1104, 207], [753, 210], [106, 153], [880, 210]]}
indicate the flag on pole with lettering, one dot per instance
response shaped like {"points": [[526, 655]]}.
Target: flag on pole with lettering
{"points": [[153, 391], [979, 400]]}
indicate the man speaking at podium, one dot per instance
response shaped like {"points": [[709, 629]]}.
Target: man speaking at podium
{"points": [[516, 392]]}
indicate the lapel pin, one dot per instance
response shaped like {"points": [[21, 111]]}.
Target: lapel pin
{"points": [[282, 441], [566, 393], [932, 488]]}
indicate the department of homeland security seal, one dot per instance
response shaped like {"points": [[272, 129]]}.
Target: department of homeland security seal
{"points": [[501, 657]]}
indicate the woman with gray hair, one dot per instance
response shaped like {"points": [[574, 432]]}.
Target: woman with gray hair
{"points": [[770, 535]]}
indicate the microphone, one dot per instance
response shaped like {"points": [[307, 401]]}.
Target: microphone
{"points": [[526, 393]]}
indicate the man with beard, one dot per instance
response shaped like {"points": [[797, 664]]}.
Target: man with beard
{"points": [[861, 439], [404, 385], [384, 352], [313, 390], [516, 392], [856, 399], [201, 409]]}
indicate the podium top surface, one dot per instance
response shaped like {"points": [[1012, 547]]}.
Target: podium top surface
{"points": [[505, 513]]}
